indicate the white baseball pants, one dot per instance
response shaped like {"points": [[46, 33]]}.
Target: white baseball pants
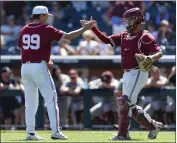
{"points": [[36, 76], [133, 82]]}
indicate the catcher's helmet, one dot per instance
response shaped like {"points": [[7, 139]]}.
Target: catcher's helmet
{"points": [[131, 17]]}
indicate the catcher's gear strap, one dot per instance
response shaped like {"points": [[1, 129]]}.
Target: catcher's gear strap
{"points": [[123, 115], [145, 41], [142, 118]]}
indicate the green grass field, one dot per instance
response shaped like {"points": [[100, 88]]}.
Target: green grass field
{"points": [[87, 136]]}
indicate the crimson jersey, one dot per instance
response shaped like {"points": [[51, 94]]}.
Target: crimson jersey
{"points": [[35, 41], [143, 42]]}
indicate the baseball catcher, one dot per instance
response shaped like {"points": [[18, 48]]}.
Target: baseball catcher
{"points": [[138, 52]]}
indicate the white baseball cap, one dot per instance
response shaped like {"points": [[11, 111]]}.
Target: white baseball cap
{"points": [[41, 10]]}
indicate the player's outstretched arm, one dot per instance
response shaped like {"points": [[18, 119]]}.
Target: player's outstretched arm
{"points": [[73, 34], [105, 39]]}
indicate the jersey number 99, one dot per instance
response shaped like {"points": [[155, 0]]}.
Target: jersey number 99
{"points": [[31, 42]]}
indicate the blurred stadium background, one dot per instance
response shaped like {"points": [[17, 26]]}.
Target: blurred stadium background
{"points": [[92, 64]]}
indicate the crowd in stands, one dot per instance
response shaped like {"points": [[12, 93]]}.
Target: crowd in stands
{"points": [[70, 100], [159, 15], [11, 107]]}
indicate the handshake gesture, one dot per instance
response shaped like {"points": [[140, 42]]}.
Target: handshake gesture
{"points": [[88, 24]]}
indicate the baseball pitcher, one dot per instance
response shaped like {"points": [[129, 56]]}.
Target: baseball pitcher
{"points": [[35, 43]]}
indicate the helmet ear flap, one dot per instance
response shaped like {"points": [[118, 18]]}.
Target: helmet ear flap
{"points": [[140, 20]]}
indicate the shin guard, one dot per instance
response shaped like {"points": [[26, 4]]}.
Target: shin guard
{"points": [[124, 120], [143, 118]]}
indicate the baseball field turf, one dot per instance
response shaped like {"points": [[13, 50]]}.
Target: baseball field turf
{"points": [[87, 136]]}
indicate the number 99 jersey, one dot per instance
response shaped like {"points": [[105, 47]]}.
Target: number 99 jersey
{"points": [[35, 41]]}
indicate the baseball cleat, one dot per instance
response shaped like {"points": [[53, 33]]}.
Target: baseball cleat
{"points": [[59, 135], [153, 134], [117, 137], [33, 137]]}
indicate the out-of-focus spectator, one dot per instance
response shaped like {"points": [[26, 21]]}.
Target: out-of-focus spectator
{"points": [[58, 77], [102, 4], [79, 5], [118, 90], [170, 109], [172, 76], [162, 12], [151, 28], [3, 49], [2, 11], [156, 79], [105, 105], [108, 15], [57, 14], [18, 9], [63, 101], [155, 106], [88, 46], [106, 80], [104, 49], [115, 13], [2, 41], [10, 30], [120, 7], [12, 107], [162, 33], [165, 36], [73, 88], [63, 48], [64, 4]]}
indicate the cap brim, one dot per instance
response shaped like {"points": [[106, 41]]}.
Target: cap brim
{"points": [[50, 14]]}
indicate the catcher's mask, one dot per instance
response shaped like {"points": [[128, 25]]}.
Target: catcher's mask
{"points": [[132, 17]]}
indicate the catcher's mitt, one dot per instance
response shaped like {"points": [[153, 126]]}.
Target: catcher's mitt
{"points": [[144, 62]]}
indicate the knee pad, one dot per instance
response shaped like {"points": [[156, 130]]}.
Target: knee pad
{"points": [[123, 104], [123, 100]]}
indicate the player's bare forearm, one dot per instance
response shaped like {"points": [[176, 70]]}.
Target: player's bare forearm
{"points": [[101, 35], [73, 34], [76, 33], [97, 32], [70, 50], [156, 56]]}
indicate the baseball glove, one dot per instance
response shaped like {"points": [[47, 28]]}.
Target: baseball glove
{"points": [[144, 62]]}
